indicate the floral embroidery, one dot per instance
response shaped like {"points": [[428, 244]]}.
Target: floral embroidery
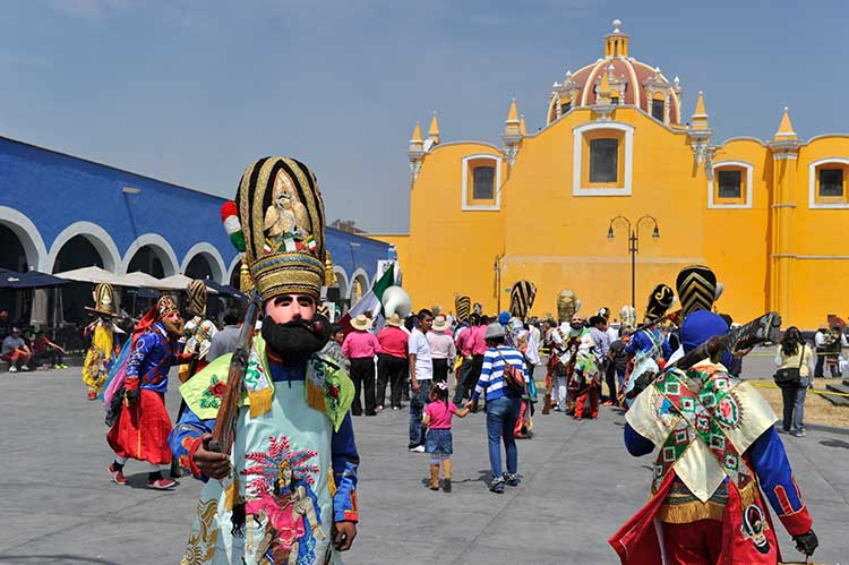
{"points": [[211, 397]]}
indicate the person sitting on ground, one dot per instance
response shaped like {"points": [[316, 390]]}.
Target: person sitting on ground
{"points": [[16, 351], [45, 351], [439, 441]]}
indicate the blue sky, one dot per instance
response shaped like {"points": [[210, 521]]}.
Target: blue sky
{"points": [[191, 91]]}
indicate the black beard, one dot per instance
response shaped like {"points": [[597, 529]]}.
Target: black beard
{"points": [[297, 340]]}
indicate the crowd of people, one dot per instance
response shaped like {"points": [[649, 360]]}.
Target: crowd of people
{"points": [[279, 458]]}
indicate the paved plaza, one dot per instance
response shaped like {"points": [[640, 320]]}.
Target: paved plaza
{"points": [[579, 487]]}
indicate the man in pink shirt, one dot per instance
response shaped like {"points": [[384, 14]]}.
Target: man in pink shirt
{"points": [[392, 362], [360, 347], [472, 345]]}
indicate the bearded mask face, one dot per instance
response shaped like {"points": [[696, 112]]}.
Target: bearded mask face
{"points": [[295, 341], [173, 324]]}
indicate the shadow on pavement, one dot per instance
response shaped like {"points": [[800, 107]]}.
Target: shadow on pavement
{"points": [[835, 443], [58, 559]]}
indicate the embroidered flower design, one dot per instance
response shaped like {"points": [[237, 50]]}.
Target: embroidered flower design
{"points": [[217, 389], [333, 391], [211, 397]]}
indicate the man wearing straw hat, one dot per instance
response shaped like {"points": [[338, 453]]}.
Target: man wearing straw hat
{"points": [[361, 347], [392, 361], [442, 348]]}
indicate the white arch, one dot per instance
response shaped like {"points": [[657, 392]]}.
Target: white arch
{"points": [[235, 264], [342, 281], [361, 274], [217, 263], [96, 235], [160, 246], [28, 234]]}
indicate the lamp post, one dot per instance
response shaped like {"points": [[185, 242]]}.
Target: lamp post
{"points": [[634, 243]]}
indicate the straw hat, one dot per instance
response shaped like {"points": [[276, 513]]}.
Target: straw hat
{"points": [[440, 324], [361, 322], [394, 320]]}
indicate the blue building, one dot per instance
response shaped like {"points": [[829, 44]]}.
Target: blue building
{"points": [[59, 212]]}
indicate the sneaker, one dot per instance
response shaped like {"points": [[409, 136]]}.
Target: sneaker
{"points": [[396, 408], [497, 486], [161, 484], [378, 408], [417, 449], [117, 475], [512, 480], [24, 367], [798, 433], [13, 369]]}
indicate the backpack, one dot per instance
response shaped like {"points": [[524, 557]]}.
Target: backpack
{"points": [[513, 377]]}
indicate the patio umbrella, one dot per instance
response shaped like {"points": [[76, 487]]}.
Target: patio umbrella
{"points": [[224, 289], [89, 275], [13, 280]]}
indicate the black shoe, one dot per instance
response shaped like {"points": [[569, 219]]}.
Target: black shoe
{"points": [[371, 413], [512, 480], [497, 486], [446, 485]]}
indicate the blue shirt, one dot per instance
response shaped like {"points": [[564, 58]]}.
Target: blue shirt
{"points": [[646, 340]]}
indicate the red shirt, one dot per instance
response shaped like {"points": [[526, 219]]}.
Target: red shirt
{"points": [[393, 341], [360, 345]]}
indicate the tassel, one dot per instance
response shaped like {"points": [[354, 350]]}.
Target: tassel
{"points": [[331, 483], [315, 396], [246, 284], [231, 494], [260, 401]]}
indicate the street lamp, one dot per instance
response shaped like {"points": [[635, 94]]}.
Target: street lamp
{"points": [[634, 243]]}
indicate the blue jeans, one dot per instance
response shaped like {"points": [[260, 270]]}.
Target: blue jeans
{"points": [[501, 416], [794, 405], [417, 406]]}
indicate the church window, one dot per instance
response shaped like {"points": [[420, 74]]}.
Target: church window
{"points": [[565, 107], [614, 100], [831, 183], [730, 186], [483, 183], [657, 109], [730, 183], [604, 160]]}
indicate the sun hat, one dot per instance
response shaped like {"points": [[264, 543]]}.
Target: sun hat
{"points": [[361, 322], [440, 323], [394, 320]]}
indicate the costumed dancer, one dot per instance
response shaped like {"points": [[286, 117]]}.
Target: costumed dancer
{"points": [[522, 297], [287, 492], [568, 305], [717, 448], [141, 431], [648, 348], [198, 332], [98, 358]]}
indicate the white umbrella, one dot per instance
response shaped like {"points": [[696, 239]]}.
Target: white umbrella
{"points": [[90, 275], [181, 282], [143, 280]]}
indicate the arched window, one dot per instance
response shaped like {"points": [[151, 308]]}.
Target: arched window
{"points": [[481, 181], [827, 183], [731, 185]]}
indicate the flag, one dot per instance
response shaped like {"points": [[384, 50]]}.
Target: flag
{"points": [[370, 303]]}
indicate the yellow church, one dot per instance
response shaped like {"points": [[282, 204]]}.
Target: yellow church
{"points": [[619, 155]]}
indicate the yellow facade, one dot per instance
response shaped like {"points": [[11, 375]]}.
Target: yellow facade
{"points": [[767, 216]]}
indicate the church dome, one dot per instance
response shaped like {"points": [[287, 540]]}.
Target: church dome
{"points": [[629, 82]]}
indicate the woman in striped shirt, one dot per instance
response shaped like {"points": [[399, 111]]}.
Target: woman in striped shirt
{"points": [[502, 405]]}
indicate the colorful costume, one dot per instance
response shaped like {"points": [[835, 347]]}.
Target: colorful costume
{"points": [[198, 333], [141, 431], [647, 346], [294, 459], [98, 358], [716, 442]]}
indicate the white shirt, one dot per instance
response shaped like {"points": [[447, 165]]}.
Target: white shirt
{"points": [[420, 347]]}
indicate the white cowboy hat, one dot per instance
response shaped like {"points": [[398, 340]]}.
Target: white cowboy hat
{"points": [[361, 322], [440, 324], [394, 320]]}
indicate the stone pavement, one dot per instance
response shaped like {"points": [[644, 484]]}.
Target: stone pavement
{"points": [[58, 506]]}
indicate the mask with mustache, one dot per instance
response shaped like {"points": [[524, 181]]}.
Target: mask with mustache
{"points": [[174, 329], [295, 341]]}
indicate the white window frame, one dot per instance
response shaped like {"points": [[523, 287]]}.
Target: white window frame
{"points": [[466, 206], [812, 183], [577, 159], [713, 204]]}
